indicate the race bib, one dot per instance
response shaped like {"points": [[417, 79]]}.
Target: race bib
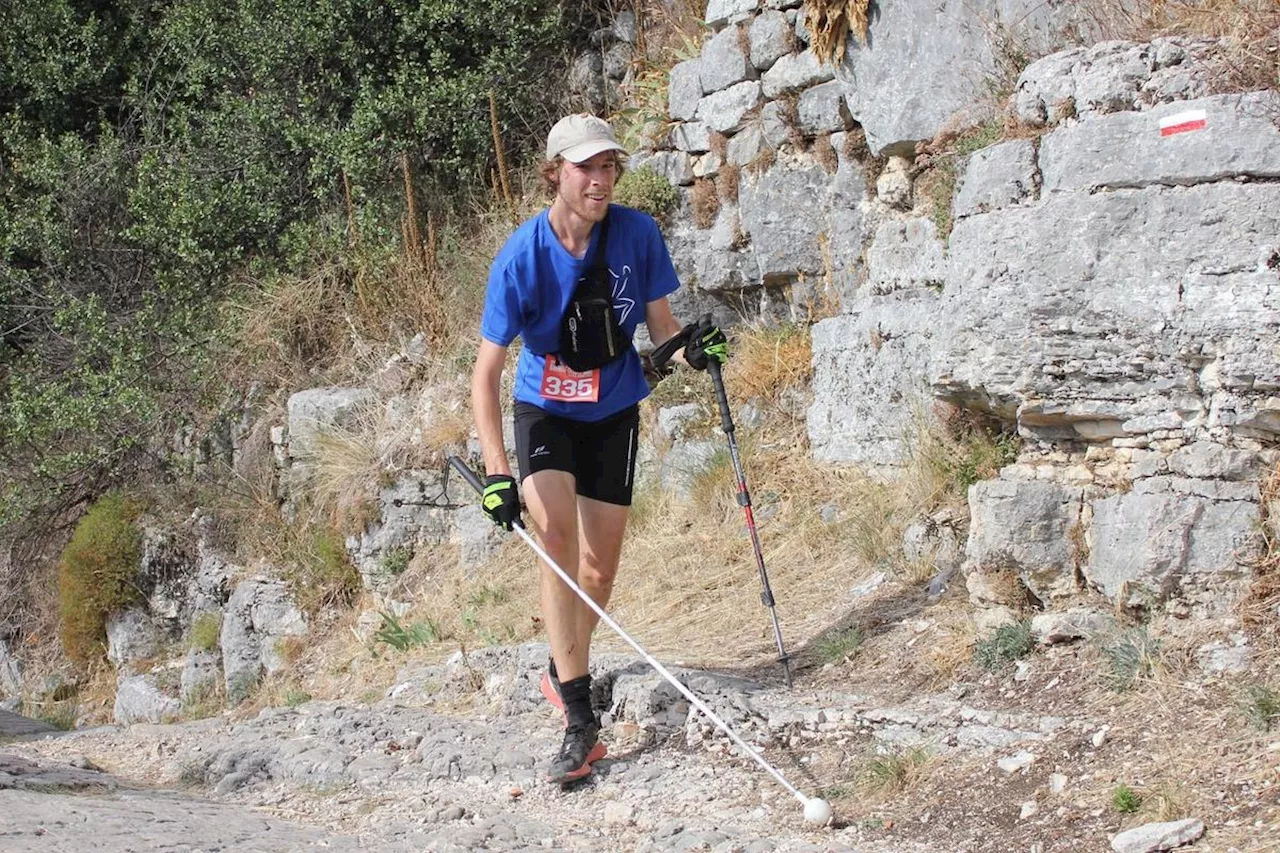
{"points": [[569, 386]]}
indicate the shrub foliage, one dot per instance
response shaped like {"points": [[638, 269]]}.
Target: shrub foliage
{"points": [[153, 153], [96, 575]]}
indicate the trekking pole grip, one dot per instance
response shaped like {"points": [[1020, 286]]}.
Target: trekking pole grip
{"points": [[726, 419], [467, 474]]}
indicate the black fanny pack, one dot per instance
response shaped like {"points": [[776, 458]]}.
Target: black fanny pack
{"points": [[590, 334]]}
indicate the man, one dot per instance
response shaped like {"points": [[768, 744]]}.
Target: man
{"points": [[576, 429]]}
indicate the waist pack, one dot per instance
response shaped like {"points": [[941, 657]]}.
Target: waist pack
{"points": [[590, 334]]}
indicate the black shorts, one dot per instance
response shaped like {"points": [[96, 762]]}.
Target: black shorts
{"points": [[601, 455]]}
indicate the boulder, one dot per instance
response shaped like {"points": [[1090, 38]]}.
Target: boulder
{"points": [[1075, 624], [141, 699], [1027, 526], [316, 411], [868, 380], [923, 61], [769, 37], [724, 62], [1151, 837], [906, 255], [727, 110], [746, 145], [996, 177], [1148, 544], [259, 614], [1240, 139], [722, 12], [1085, 317], [1116, 76], [820, 109], [794, 72], [684, 89], [777, 210], [131, 636], [691, 136]]}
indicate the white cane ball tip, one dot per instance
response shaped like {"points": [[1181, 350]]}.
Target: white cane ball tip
{"points": [[817, 810]]}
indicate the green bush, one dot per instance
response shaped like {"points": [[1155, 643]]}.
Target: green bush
{"points": [[1131, 657], [206, 632], [1125, 799], [1008, 644], [404, 637], [96, 575], [644, 189], [1261, 705], [323, 575], [156, 155], [836, 646]]}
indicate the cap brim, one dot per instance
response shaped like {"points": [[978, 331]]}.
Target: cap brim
{"points": [[585, 151]]}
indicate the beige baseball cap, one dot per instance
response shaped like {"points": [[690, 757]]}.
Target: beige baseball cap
{"points": [[577, 138]]}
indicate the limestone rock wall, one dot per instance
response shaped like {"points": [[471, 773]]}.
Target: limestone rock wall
{"points": [[1108, 289]]}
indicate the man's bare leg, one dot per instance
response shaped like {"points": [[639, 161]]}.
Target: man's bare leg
{"points": [[551, 498], [601, 527]]}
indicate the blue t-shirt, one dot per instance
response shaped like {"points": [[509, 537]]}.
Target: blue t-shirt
{"points": [[532, 280]]}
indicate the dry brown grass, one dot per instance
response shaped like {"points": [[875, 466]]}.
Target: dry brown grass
{"points": [[767, 360], [704, 202], [727, 183], [1250, 30], [831, 22]]}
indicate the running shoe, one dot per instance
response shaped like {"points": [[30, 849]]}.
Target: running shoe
{"points": [[581, 748]]}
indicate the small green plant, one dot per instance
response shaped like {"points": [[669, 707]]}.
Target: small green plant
{"points": [[1130, 657], [1008, 644], [646, 190], [396, 561], [895, 771], [204, 701], [979, 137], [1125, 800], [836, 646], [1261, 705], [205, 631], [402, 637], [293, 697], [487, 595], [323, 574], [96, 575], [61, 714]]}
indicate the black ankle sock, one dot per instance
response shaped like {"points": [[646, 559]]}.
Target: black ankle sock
{"points": [[577, 700], [551, 668]]}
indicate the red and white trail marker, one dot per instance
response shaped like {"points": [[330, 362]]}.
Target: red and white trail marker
{"points": [[1184, 122]]}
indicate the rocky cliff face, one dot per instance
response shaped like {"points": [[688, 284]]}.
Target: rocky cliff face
{"points": [[1101, 278]]}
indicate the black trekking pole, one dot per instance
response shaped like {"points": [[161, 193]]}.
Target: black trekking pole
{"points": [[659, 357]]}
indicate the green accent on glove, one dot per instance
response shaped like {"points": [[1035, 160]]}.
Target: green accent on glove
{"points": [[500, 500], [706, 342]]}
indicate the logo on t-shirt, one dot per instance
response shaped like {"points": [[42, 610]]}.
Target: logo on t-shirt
{"points": [[622, 304]]}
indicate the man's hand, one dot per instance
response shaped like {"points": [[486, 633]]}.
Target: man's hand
{"points": [[706, 342], [500, 500]]}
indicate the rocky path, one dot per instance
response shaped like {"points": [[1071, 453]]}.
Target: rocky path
{"points": [[453, 760]]}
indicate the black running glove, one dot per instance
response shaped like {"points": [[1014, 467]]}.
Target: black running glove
{"points": [[706, 342], [500, 500]]}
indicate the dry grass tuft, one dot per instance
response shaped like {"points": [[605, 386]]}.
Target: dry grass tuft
{"points": [[727, 183], [1249, 29], [768, 360], [830, 22], [825, 153], [705, 202]]}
